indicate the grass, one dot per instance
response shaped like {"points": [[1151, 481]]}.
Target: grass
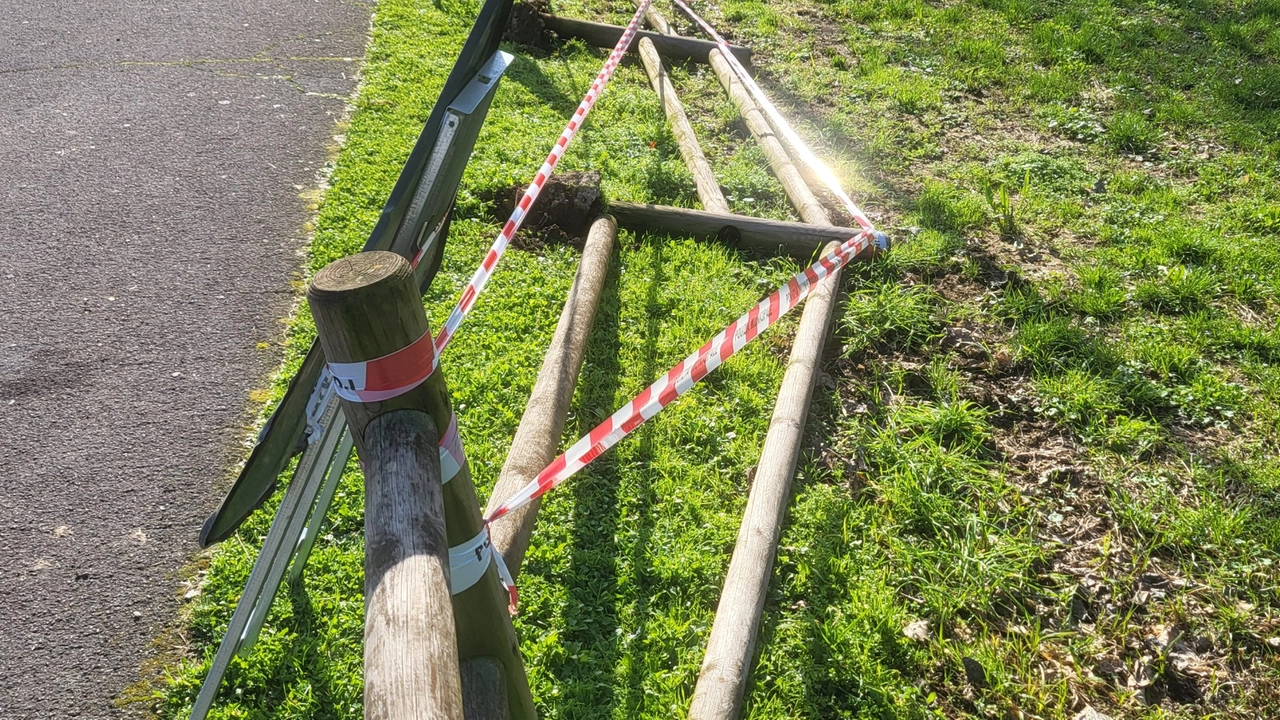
{"points": [[1049, 444]]}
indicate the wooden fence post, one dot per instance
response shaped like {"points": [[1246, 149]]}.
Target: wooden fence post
{"points": [[410, 651], [537, 440], [367, 306]]}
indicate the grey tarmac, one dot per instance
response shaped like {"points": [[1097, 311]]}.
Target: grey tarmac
{"points": [[154, 157]]}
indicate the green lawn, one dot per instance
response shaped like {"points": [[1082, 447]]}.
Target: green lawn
{"points": [[1043, 469]]}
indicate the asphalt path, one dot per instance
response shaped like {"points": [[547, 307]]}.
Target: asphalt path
{"points": [[152, 161]]}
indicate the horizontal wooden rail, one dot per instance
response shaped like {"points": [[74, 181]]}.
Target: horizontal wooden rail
{"points": [[606, 36], [757, 234]]}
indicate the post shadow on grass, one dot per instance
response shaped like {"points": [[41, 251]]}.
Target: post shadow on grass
{"points": [[592, 581], [305, 625], [529, 75], [293, 666], [642, 530]]}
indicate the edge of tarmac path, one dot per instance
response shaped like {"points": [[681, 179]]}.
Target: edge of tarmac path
{"points": [[154, 215]]}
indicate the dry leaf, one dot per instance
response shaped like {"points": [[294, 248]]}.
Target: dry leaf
{"points": [[917, 630]]}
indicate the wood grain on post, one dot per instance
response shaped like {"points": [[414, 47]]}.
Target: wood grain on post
{"points": [[606, 36], [411, 653], [657, 21], [367, 306], [800, 240], [705, 180], [410, 646], [537, 440]]}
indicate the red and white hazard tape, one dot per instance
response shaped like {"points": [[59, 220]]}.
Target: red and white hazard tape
{"points": [[807, 156], [686, 373], [451, 455], [482, 273], [730, 340], [469, 561], [388, 376]]}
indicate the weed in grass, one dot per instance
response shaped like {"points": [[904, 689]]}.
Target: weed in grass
{"points": [[1002, 206], [929, 252], [1168, 359], [1101, 294], [947, 208], [1131, 132], [1262, 218], [1073, 122], [891, 314], [1181, 290], [1078, 398], [1060, 344], [1062, 176], [1137, 437], [1210, 400]]}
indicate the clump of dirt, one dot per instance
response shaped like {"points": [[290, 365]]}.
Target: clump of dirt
{"points": [[526, 28], [562, 214]]}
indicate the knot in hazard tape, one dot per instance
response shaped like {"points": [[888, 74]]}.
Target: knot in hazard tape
{"points": [[388, 376], [469, 561]]}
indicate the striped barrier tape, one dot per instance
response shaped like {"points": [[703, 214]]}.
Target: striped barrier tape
{"points": [[399, 372], [452, 457], [687, 373], [386, 377], [499, 247], [807, 155], [746, 328], [469, 561]]}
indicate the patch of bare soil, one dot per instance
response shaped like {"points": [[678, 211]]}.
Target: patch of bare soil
{"points": [[566, 206], [526, 28]]}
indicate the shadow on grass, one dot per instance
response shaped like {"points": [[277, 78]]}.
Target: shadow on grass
{"points": [[591, 614], [528, 74], [311, 671], [637, 560], [600, 560]]}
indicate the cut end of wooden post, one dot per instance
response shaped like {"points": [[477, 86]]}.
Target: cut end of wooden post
{"points": [[363, 273], [366, 306]]}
